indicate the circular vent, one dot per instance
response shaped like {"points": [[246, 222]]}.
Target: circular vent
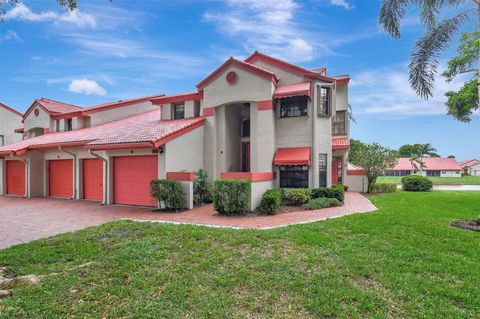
{"points": [[232, 77], [36, 112]]}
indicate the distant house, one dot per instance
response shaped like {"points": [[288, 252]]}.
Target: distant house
{"points": [[471, 167], [434, 167]]}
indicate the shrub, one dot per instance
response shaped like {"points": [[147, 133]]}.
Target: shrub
{"points": [[415, 183], [202, 190], [271, 201], [169, 193], [322, 202], [231, 196], [298, 196], [336, 191], [384, 188]]}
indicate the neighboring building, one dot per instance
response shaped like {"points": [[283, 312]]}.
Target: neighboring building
{"points": [[10, 124], [434, 167], [471, 167], [262, 119]]}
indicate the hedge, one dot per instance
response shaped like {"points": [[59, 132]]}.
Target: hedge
{"points": [[231, 196], [322, 202], [271, 201], [298, 196], [169, 193], [383, 188], [336, 191], [202, 190], [416, 183]]}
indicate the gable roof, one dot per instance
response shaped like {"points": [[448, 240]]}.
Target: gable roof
{"points": [[52, 107], [241, 64], [431, 163], [469, 163], [143, 130], [8, 108], [258, 56], [175, 98]]}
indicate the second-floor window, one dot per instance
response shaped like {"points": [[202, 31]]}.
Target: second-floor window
{"points": [[339, 123], [294, 106], [178, 111], [323, 100], [246, 128], [69, 125]]}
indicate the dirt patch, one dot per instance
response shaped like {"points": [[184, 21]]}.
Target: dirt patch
{"points": [[473, 225]]}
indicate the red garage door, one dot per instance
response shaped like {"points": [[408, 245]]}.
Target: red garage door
{"points": [[15, 178], [60, 178], [131, 179], [93, 179]]}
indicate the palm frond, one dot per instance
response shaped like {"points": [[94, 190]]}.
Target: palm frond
{"points": [[350, 114], [391, 13], [424, 58]]}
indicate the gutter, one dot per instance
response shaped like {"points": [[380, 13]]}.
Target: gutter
{"points": [[74, 170], [105, 176]]}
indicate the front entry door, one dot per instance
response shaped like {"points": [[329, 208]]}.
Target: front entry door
{"points": [[245, 156], [335, 174]]}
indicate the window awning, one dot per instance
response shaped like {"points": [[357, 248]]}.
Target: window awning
{"points": [[292, 89], [340, 143], [292, 156]]}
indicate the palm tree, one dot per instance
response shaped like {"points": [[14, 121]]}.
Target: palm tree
{"points": [[417, 159], [424, 58]]}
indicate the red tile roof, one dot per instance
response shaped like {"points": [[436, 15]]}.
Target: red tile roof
{"points": [[52, 107], [431, 163], [341, 79], [144, 128], [8, 108], [293, 89], [110, 105], [469, 163], [340, 143], [292, 156]]}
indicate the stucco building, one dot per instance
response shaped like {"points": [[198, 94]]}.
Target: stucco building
{"points": [[434, 167], [262, 119], [10, 125], [471, 167]]}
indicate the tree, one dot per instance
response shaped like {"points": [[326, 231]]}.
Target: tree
{"points": [[439, 34], [451, 156], [416, 159], [374, 159], [355, 146], [409, 150]]}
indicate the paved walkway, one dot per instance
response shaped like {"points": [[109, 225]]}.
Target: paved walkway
{"points": [[26, 219]]}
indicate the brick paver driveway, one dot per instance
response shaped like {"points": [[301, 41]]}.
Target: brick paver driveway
{"points": [[26, 219]]}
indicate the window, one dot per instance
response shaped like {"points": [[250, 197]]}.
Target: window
{"points": [[397, 173], [294, 106], [323, 101], [69, 125], [322, 170], [57, 125], [2, 140], [339, 126], [246, 128], [433, 173], [294, 176], [179, 111]]}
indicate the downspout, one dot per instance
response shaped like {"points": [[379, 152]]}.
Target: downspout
{"points": [[27, 177], [105, 176], [74, 170]]}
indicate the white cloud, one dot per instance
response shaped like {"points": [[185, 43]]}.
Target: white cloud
{"points": [[88, 87], [387, 92], [342, 3], [75, 17], [10, 35]]}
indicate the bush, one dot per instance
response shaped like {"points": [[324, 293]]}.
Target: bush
{"points": [[337, 192], [322, 202], [169, 193], [202, 190], [271, 201], [298, 196], [231, 196], [415, 183], [384, 188]]}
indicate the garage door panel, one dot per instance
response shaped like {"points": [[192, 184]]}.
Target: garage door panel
{"points": [[93, 179], [60, 178], [15, 178], [132, 177]]}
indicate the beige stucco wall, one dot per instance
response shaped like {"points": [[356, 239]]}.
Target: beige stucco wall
{"points": [[257, 190], [341, 97], [263, 136], [356, 183], [9, 121], [43, 120], [451, 174], [185, 153], [120, 112], [282, 75], [474, 170]]}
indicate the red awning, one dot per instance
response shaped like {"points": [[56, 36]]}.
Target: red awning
{"points": [[340, 143], [292, 156], [292, 89]]}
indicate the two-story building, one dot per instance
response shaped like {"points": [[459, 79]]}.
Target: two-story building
{"points": [[10, 125], [262, 119]]}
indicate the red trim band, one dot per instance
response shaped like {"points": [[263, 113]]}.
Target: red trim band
{"points": [[208, 111], [196, 96], [265, 105], [251, 176], [181, 176], [356, 172]]}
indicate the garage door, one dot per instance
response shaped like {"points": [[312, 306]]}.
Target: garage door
{"points": [[93, 179], [60, 178], [131, 179], [15, 171]]}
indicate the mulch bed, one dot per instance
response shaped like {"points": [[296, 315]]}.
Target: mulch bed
{"points": [[472, 225]]}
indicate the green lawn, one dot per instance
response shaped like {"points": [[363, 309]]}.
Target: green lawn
{"points": [[466, 180], [402, 261]]}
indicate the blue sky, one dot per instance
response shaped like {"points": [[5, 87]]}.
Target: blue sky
{"points": [[110, 51]]}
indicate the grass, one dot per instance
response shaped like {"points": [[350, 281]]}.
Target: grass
{"points": [[466, 180], [402, 261]]}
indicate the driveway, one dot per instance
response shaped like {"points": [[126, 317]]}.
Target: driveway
{"points": [[26, 219]]}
